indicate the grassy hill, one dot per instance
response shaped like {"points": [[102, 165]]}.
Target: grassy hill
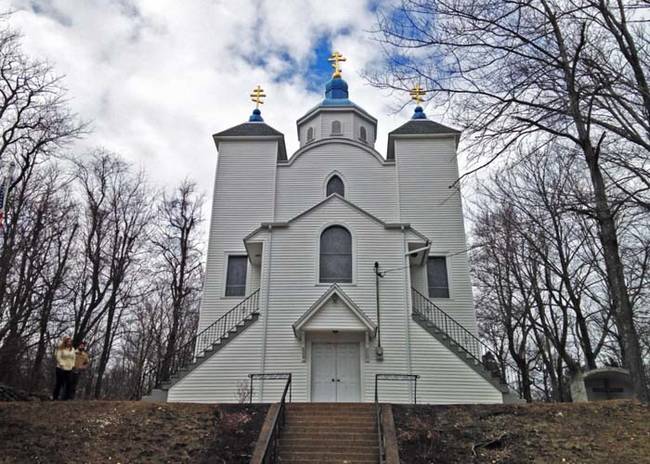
{"points": [[605, 432], [135, 432]]}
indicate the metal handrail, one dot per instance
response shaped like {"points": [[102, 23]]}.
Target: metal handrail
{"points": [[203, 341], [268, 376], [468, 342], [271, 448], [378, 408], [399, 378], [380, 432]]}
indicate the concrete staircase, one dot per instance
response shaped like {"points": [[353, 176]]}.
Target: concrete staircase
{"points": [[329, 433]]}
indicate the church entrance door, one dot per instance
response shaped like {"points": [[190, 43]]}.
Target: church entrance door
{"points": [[335, 375]]}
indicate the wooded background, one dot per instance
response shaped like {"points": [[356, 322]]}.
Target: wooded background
{"points": [[90, 248]]}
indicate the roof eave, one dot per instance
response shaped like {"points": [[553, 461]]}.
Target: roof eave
{"points": [[355, 108], [390, 150], [282, 148]]}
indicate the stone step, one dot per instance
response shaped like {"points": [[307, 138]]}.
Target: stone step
{"points": [[329, 433], [331, 417], [344, 440], [331, 457], [316, 416], [291, 460], [342, 406], [344, 433], [297, 408], [332, 411], [326, 447], [328, 429], [330, 422]]}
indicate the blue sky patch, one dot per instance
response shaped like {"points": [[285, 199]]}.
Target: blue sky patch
{"points": [[319, 70]]}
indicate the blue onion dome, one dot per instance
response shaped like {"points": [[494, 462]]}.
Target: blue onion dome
{"points": [[419, 113], [256, 116], [336, 89]]}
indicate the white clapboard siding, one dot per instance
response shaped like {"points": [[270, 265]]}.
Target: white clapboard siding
{"points": [[345, 119], [243, 198], [335, 316], [314, 123], [444, 377], [369, 183], [427, 167], [295, 288], [218, 378]]}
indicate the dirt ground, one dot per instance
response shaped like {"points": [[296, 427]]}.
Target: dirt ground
{"points": [[137, 432], [127, 432], [605, 432]]}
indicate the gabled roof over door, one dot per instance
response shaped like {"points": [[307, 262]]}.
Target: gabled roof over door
{"points": [[334, 310]]}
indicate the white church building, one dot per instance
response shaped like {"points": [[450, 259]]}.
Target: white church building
{"points": [[336, 264]]}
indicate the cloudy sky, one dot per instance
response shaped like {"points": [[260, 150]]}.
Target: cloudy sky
{"points": [[157, 77]]}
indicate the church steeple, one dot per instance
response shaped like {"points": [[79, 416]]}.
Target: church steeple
{"points": [[418, 125], [336, 116], [255, 127]]}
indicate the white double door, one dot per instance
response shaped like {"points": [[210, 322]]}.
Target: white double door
{"points": [[335, 375]]}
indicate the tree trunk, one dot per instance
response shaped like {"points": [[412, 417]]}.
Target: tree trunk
{"points": [[623, 311]]}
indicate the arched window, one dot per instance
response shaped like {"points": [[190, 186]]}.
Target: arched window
{"points": [[335, 185], [335, 255], [336, 128], [362, 134], [310, 134]]}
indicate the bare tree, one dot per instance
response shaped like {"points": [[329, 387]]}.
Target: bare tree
{"points": [[40, 251], [34, 123], [521, 74], [178, 242], [130, 213], [536, 255]]}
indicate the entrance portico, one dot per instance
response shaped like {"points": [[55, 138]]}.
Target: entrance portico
{"points": [[335, 334]]}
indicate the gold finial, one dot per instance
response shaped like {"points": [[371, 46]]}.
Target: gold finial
{"points": [[417, 93], [257, 95], [335, 59]]}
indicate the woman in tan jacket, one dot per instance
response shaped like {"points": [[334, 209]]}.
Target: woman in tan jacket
{"points": [[82, 361], [65, 361]]}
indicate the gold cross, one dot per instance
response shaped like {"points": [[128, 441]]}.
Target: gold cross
{"points": [[335, 59], [417, 93], [257, 95]]}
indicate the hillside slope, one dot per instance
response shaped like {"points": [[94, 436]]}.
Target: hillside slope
{"points": [[127, 432], [136, 432], [605, 432]]}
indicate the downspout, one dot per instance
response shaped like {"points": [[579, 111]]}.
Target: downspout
{"points": [[379, 350], [407, 283], [267, 305], [268, 276]]}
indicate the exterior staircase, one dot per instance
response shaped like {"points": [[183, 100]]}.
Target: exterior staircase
{"points": [[156, 382], [329, 433], [466, 346]]}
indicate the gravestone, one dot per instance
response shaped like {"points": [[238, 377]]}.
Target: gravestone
{"points": [[607, 383]]}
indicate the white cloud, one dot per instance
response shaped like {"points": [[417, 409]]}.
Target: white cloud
{"points": [[158, 77]]}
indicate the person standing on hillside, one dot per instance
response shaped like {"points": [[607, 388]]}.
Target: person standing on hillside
{"points": [[82, 361], [65, 360]]}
